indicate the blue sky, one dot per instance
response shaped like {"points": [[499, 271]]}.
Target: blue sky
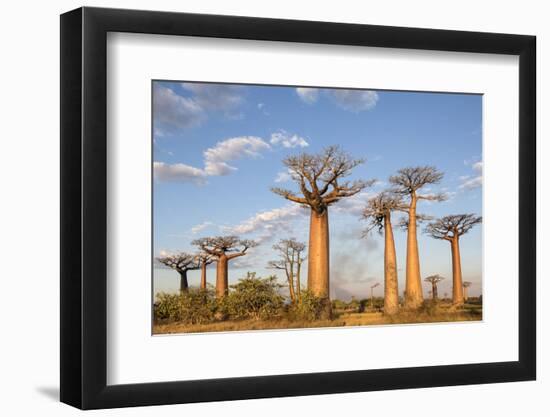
{"points": [[217, 150]]}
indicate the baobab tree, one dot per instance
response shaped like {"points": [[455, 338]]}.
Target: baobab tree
{"points": [[465, 286], [319, 179], [290, 260], [407, 183], [181, 263], [434, 280], [223, 249], [378, 213], [204, 259], [450, 228]]}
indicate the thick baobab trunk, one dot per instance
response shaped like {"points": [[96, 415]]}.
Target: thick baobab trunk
{"points": [[391, 295], [203, 276], [413, 290], [465, 290], [222, 286], [184, 285], [458, 295], [318, 261]]}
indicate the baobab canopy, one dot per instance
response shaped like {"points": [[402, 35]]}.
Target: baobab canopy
{"points": [[319, 177]]}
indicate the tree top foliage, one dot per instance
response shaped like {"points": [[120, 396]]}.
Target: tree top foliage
{"points": [[319, 175], [223, 245], [180, 261], [409, 180], [379, 207], [452, 226], [434, 279]]}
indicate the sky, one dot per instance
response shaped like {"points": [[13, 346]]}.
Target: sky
{"points": [[218, 149]]}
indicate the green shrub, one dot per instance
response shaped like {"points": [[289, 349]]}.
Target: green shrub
{"points": [[253, 297], [431, 307], [309, 308], [166, 307], [195, 306]]}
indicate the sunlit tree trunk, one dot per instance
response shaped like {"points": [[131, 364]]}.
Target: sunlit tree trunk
{"points": [[184, 285], [391, 296], [222, 285], [290, 279], [318, 261], [413, 285], [298, 284], [458, 295], [203, 276]]}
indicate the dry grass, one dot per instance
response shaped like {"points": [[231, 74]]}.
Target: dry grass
{"points": [[443, 314]]}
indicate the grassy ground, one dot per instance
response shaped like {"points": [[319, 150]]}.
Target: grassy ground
{"points": [[443, 314]]}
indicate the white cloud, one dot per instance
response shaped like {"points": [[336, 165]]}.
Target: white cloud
{"points": [[164, 252], [216, 158], [287, 140], [220, 97], [351, 100], [216, 161], [175, 110], [470, 182], [283, 176], [178, 173], [262, 108], [355, 100], [268, 223], [200, 227], [308, 95]]}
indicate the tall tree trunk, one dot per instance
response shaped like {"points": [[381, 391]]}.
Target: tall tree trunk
{"points": [[203, 276], [222, 286], [298, 284], [458, 295], [434, 291], [318, 261], [391, 295], [290, 281], [184, 285], [413, 285]]}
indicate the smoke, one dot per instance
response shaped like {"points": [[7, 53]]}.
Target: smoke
{"points": [[349, 263]]}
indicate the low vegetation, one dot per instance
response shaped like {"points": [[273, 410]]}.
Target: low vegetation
{"points": [[256, 303]]}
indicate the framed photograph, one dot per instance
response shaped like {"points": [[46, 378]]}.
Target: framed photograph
{"points": [[258, 208]]}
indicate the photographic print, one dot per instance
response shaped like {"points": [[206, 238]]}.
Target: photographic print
{"points": [[284, 207]]}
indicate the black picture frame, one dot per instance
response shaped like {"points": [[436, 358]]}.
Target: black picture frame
{"points": [[84, 207]]}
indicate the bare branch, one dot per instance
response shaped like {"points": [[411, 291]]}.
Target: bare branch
{"points": [[289, 195], [409, 180], [180, 262], [317, 176], [449, 227], [379, 207], [433, 197], [403, 222], [224, 245]]}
